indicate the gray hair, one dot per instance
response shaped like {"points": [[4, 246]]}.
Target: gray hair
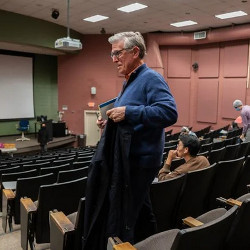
{"points": [[131, 39]]}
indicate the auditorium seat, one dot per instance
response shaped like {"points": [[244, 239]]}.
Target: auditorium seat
{"points": [[243, 180], [205, 141], [70, 175], [35, 216], [225, 178], [205, 154], [216, 155], [36, 166], [55, 169], [217, 145], [63, 161], [206, 147], [13, 176], [238, 237], [84, 157], [244, 149], [194, 195], [176, 163], [80, 164], [210, 235], [231, 152], [164, 197], [230, 141], [66, 231], [25, 187]]}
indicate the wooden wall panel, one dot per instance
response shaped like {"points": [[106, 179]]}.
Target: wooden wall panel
{"points": [[235, 60], [208, 60], [207, 103], [179, 62], [180, 88], [232, 89]]}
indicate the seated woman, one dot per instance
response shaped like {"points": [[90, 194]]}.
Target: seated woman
{"points": [[188, 149]]}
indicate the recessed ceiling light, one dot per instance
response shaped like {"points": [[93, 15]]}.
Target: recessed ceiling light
{"points": [[184, 23], [231, 14], [132, 7], [95, 18]]}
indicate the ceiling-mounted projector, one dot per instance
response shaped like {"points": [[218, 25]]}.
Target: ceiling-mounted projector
{"points": [[67, 43]]}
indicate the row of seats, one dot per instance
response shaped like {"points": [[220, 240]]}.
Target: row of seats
{"points": [[196, 191], [218, 229]]}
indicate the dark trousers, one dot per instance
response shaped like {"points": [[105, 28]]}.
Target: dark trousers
{"points": [[142, 222]]}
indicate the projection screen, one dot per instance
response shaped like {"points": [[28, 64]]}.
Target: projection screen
{"points": [[16, 87]]}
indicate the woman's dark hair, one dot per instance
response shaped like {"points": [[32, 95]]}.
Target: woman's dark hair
{"points": [[191, 142]]}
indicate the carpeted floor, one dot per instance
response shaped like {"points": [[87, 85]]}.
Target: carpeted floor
{"points": [[12, 240]]}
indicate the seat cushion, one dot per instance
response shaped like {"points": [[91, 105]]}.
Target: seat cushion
{"points": [[160, 241]]}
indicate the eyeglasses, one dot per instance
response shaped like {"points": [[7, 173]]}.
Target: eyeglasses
{"points": [[117, 53]]}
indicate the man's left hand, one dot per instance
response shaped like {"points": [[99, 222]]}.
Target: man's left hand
{"points": [[117, 114]]}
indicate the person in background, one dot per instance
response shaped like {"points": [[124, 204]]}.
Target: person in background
{"points": [[245, 115], [187, 148], [187, 131], [130, 151], [43, 138]]}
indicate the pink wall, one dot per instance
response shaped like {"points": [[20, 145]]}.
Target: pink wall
{"points": [[204, 97], [92, 67]]}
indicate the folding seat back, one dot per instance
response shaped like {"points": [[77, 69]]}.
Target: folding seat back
{"points": [[164, 198], [36, 166], [216, 155], [55, 169], [80, 164], [238, 237], [205, 154], [206, 147], [243, 150], [231, 152], [63, 162], [29, 187], [204, 141], [217, 145], [195, 191], [225, 178], [210, 235], [60, 196], [70, 175], [66, 232], [240, 187], [84, 158], [176, 163], [13, 177]]}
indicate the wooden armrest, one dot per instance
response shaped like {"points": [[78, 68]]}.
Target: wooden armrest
{"points": [[28, 204], [9, 194], [62, 221], [115, 243], [124, 246], [192, 222], [233, 202]]}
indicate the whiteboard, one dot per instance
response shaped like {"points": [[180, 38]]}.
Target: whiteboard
{"points": [[16, 87]]}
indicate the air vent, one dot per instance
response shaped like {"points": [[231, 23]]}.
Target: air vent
{"points": [[200, 35]]}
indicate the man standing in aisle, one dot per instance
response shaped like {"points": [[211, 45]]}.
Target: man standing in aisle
{"points": [[245, 115], [129, 154]]}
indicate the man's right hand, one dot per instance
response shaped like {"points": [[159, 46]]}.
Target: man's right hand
{"points": [[101, 123], [172, 154]]}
